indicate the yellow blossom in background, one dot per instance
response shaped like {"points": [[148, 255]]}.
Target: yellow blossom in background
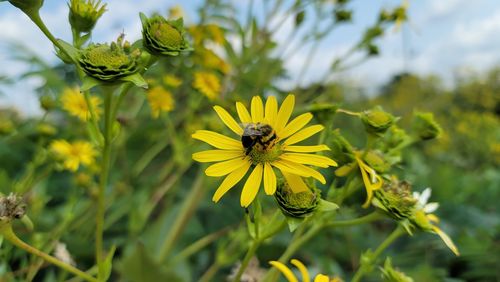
{"points": [[215, 33], [175, 12], [74, 103], [371, 179], [275, 148], [210, 60], [73, 154], [160, 100], [287, 272], [207, 83], [172, 81]]}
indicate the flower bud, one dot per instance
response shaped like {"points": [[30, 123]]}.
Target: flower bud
{"points": [[340, 148], [27, 6], [389, 274], [110, 63], [46, 129], [377, 121], [163, 37], [48, 103], [395, 199], [83, 14], [425, 126], [376, 160], [299, 204]]}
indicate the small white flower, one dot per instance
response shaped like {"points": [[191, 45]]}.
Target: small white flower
{"points": [[423, 198]]}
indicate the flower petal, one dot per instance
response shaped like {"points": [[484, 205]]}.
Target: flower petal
{"points": [[304, 134], [257, 109], [226, 167], [269, 179], [299, 169], [228, 120], [309, 159], [232, 179], [251, 186], [371, 179], [447, 240], [322, 278], [295, 125], [217, 140], [306, 149], [285, 271], [216, 155], [295, 182], [285, 112], [303, 270], [243, 113], [271, 111]]}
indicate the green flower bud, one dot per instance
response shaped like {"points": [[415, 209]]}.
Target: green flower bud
{"points": [[83, 14], [376, 160], [297, 205], [110, 63], [425, 126], [395, 199], [377, 121], [340, 148], [389, 274], [163, 37], [46, 129], [27, 6], [11, 207], [48, 103]]}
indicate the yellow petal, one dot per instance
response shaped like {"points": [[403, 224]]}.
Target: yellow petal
{"points": [[447, 240], [309, 159], [306, 149], [295, 182], [226, 167], [269, 179], [303, 134], [243, 113], [371, 180], [217, 140], [232, 179], [228, 120], [285, 112], [251, 186], [257, 109], [271, 111], [295, 125], [303, 270], [216, 155], [321, 278], [300, 169], [285, 271]]}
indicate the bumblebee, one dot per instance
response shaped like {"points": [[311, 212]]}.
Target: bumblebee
{"points": [[258, 135]]}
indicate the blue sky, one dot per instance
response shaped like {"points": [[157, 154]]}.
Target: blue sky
{"points": [[448, 38]]}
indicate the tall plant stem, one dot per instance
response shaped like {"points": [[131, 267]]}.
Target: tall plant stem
{"points": [[366, 268], [187, 210], [106, 159], [9, 235], [248, 256]]}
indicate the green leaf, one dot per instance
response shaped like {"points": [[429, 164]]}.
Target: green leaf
{"points": [[69, 49], [88, 83], [326, 206], [136, 79], [274, 224], [108, 263], [294, 222]]}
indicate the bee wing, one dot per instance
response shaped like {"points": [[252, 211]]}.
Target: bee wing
{"points": [[250, 129]]}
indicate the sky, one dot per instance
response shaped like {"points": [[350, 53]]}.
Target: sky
{"points": [[444, 38]]}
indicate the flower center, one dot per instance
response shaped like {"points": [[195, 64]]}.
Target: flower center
{"points": [[103, 55], [259, 141], [166, 34]]}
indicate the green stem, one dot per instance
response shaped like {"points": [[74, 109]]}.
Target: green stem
{"points": [[211, 271], [8, 234], [366, 268], [187, 210], [249, 255], [357, 221], [199, 244], [106, 160], [149, 155]]}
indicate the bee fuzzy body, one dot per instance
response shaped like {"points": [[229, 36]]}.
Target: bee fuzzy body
{"points": [[259, 136]]}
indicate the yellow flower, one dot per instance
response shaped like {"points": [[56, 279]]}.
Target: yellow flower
{"points": [[175, 12], [172, 81], [73, 154], [287, 272], [74, 103], [207, 83], [276, 148], [160, 100], [371, 179]]}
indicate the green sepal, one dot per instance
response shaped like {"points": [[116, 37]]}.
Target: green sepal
{"points": [[294, 222], [69, 50], [108, 263], [136, 79], [250, 226], [326, 206], [89, 83], [27, 222]]}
